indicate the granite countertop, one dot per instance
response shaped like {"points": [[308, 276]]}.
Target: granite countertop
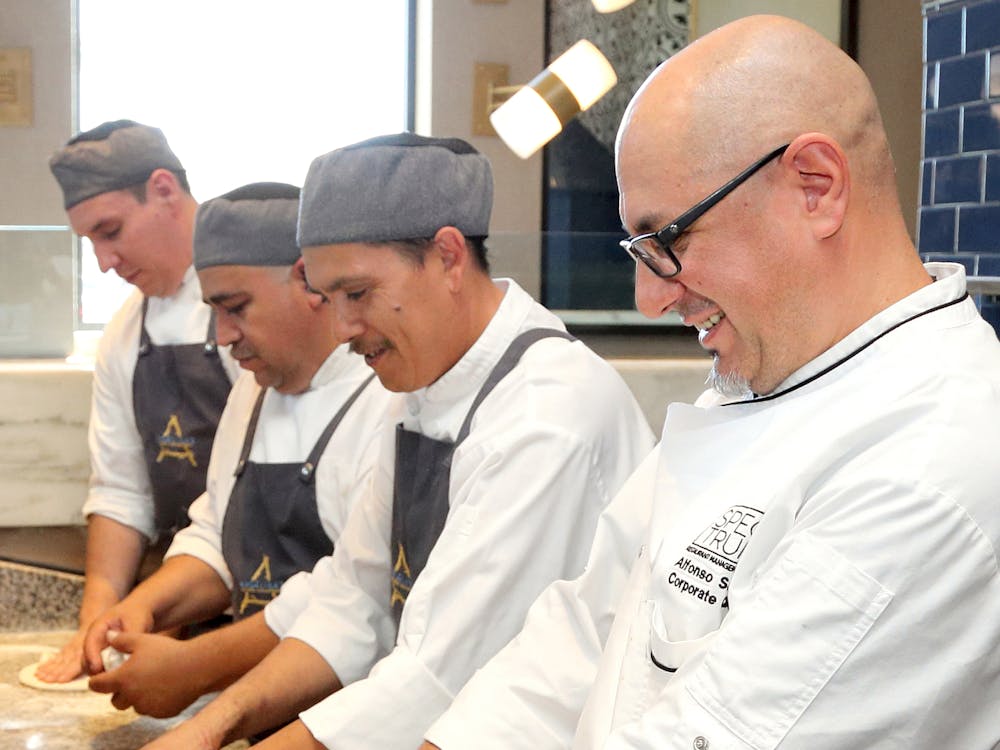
{"points": [[43, 720]]}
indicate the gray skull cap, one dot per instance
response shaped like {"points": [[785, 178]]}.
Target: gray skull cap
{"points": [[112, 156], [253, 225], [395, 187]]}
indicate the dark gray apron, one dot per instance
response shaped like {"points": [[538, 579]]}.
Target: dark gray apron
{"points": [[178, 393], [272, 528], [422, 473]]}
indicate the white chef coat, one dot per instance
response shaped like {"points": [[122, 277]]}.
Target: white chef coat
{"points": [[119, 479], [287, 430], [548, 449], [818, 568]]}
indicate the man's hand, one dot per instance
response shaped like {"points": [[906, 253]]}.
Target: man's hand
{"points": [[123, 617], [159, 679], [428, 746], [66, 665]]}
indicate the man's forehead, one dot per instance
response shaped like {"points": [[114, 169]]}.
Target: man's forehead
{"points": [[329, 267]]}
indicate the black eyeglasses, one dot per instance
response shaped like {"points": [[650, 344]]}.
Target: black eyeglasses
{"points": [[654, 248]]}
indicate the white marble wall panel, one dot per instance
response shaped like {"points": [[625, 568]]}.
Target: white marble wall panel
{"points": [[44, 409], [43, 442]]}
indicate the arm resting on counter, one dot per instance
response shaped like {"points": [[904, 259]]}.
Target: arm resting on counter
{"points": [[163, 675], [114, 552], [291, 678], [182, 591]]}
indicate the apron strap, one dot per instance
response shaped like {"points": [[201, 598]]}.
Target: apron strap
{"points": [[145, 343], [211, 343], [508, 361], [251, 431], [308, 470]]}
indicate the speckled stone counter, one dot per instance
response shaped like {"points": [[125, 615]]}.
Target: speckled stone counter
{"points": [[37, 599], [42, 720]]}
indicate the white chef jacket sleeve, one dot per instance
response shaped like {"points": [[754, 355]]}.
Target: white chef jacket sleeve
{"points": [[119, 481], [530, 695], [858, 618], [525, 499]]}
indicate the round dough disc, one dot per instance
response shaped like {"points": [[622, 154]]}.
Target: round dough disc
{"points": [[27, 677]]}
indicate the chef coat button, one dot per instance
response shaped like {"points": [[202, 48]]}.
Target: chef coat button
{"points": [[700, 743], [210, 347]]}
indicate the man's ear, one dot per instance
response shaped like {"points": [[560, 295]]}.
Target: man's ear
{"points": [[162, 186], [823, 179], [450, 245], [298, 277]]}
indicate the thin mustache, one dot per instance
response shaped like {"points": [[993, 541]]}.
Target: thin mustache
{"points": [[361, 347]]}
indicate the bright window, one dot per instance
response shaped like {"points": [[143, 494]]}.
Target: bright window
{"points": [[244, 90]]}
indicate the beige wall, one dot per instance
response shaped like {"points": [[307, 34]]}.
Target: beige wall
{"points": [[452, 35], [28, 194], [890, 50]]}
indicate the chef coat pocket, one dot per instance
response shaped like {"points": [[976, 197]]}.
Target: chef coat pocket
{"points": [[776, 653], [667, 655]]}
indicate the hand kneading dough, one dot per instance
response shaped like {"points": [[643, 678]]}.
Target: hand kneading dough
{"points": [[111, 657], [27, 677]]}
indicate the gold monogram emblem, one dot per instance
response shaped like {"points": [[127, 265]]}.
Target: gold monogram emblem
{"points": [[173, 444], [402, 581], [264, 590]]}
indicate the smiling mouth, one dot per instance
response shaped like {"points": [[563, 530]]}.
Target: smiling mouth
{"points": [[372, 354], [710, 322]]}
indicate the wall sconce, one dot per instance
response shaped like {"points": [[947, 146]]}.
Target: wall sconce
{"points": [[610, 6], [529, 116]]}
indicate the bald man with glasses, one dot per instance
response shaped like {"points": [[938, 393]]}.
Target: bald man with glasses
{"points": [[808, 560]]}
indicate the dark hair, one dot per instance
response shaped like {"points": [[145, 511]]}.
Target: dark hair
{"points": [[138, 190], [415, 249]]}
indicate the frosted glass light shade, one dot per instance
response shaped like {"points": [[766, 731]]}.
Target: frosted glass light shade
{"points": [[525, 122], [537, 112], [610, 6], [585, 71]]}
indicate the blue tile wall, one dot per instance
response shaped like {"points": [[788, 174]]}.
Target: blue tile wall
{"points": [[958, 180], [961, 80], [943, 35], [977, 228], [941, 132], [993, 178], [982, 26], [981, 131], [959, 214], [937, 229]]}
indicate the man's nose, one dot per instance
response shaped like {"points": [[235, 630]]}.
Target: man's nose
{"points": [[347, 324], [226, 332], [107, 259], [654, 295]]}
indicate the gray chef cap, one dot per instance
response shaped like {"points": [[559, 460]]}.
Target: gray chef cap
{"points": [[253, 225], [396, 187], [112, 156]]}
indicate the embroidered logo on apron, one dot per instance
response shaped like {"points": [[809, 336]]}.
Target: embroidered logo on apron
{"points": [[173, 444], [705, 571], [402, 579], [260, 589]]}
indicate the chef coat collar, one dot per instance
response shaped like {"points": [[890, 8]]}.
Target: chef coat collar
{"points": [[468, 374], [948, 288]]}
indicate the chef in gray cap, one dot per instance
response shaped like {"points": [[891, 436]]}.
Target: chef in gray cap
{"points": [[509, 439], [294, 450], [160, 381]]}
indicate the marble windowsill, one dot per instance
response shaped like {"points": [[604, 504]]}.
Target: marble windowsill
{"points": [[44, 408]]}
